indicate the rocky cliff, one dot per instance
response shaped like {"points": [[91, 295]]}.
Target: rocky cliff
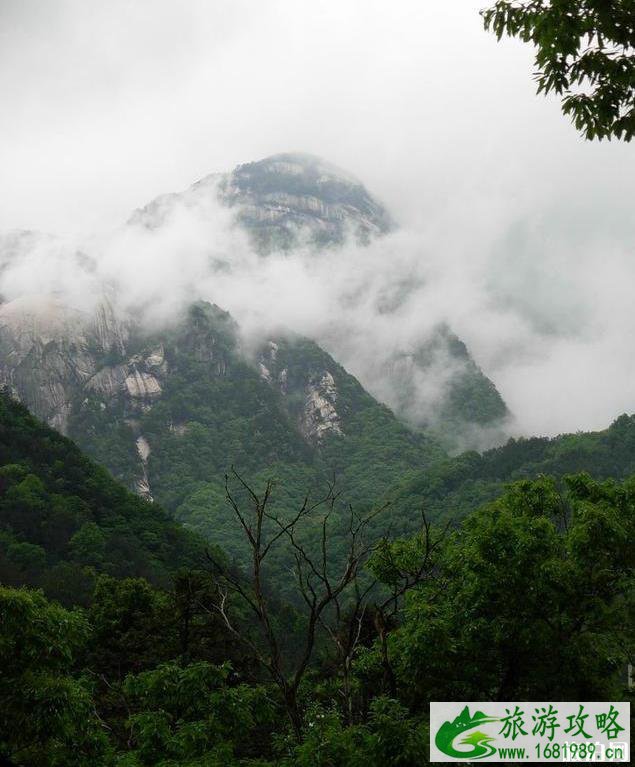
{"points": [[289, 200], [283, 201], [49, 351], [168, 409], [188, 395]]}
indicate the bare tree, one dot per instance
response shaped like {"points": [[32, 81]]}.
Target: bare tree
{"points": [[320, 588], [338, 598], [377, 596]]}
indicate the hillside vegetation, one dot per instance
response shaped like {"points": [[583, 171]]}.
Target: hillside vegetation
{"points": [[63, 518], [453, 487], [531, 599]]}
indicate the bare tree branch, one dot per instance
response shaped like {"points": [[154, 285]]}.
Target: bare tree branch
{"points": [[336, 599]]}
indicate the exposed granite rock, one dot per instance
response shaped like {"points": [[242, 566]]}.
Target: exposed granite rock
{"points": [[319, 416], [45, 354], [264, 372], [291, 200], [142, 484], [52, 354], [141, 385], [310, 392], [109, 381], [156, 359], [92, 371], [62, 361], [283, 201]]}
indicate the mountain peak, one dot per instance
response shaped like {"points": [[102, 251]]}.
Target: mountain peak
{"points": [[293, 198], [284, 200], [300, 163]]}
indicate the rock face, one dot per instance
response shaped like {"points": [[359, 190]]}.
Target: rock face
{"points": [[284, 201], [52, 355], [58, 360], [64, 364], [310, 392], [100, 378], [290, 197], [319, 417], [49, 352], [142, 486], [289, 200]]}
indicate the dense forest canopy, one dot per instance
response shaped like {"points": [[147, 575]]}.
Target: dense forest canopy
{"points": [[148, 677], [218, 546], [173, 654], [63, 518]]}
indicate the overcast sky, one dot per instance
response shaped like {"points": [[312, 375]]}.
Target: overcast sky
{"points": [[104, 105]]}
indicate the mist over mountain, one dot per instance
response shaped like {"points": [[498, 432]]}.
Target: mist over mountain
{"points": [[289, 244], [317, 395], [517, 288], [284, 201]]}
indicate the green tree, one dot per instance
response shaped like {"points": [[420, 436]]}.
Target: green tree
{"points": [[133, 624], [585, 52], [321, 580], [53, 497], [180, 715], [47, 716], [531, 599], [389, 736], [27, 557], [88, 545]]}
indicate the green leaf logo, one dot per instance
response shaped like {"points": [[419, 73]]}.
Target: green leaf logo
{"points": [[480, 742]]}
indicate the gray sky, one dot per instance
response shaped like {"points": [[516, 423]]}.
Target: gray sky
{"points": [[105, 105], [529, 228]]}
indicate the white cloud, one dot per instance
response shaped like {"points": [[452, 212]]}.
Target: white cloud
{"points": [[520, 233]]}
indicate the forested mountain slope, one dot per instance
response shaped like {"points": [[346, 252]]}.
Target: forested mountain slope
{"points": [[63, 518], [64, 361], [454, 487], [289, 412], [292, 202]]}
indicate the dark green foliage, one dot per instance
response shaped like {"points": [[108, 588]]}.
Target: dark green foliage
{"points": [[536, 600], [136, 626], [63, 518], [585, 52], [47, 716], [453, 487], [374, 447], [216, 411], [471, 398], [104, 434], [184, 714], [390, 736], [532, 598], [133, 626], [233, 415]]}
